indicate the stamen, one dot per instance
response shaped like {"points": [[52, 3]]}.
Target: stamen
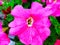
{"points": [[30, 21]]}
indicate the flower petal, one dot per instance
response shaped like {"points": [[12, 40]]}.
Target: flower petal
{"points": [[36, 6], [4, 40], [19, 11], [17, 22], [42, 22], [57, 12], [42, 29], [26, 37], [37, 40], [17, 30], [50, 9], [44, 33]]}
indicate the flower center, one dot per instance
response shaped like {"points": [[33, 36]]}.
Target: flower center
{"points": [[30, 21]]}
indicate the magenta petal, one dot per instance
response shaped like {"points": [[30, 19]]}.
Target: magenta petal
{"points": [[4, 40], [57, 12], [42, 22], [36, 6], [20, 12], [17, 22], [43, 12], [45, 21], [49, 9], [26, 37], [14, 31], [12, 24], [17, 30], [30, 36], [37, 40], [42, 29], [54, 9], [44, 33]]}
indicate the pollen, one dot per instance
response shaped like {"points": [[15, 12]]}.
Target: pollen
{"points": [[30, 21]]}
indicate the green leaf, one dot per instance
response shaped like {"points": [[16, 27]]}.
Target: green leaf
{"points": [[11, 3], [58, 29], [5, 5], [19, 43], [54, 21], [0, 7], [50, 41], [16, 40], [9, 18], [37, 0], [26, 5], [18, 2], [5, 23]]}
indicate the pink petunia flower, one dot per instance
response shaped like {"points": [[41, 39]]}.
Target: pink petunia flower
{"points": [[56, 7], [4, 40], [31, 25], [57, 12], [57, 42]]}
